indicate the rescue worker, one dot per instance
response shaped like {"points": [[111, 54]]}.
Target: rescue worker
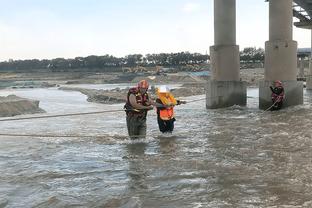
{"points": [[277, 96], [165, 103], [136, 107]]}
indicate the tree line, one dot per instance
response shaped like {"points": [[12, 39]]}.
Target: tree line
{"points": [[112, 63], [106, 62]]}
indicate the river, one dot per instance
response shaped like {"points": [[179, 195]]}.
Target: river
{"points": [[233, 157]]}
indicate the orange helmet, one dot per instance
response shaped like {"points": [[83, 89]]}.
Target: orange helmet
{"points": [[143, 84], [278, 83]]}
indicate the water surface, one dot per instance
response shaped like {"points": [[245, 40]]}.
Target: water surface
{"points": [[233, 157]]}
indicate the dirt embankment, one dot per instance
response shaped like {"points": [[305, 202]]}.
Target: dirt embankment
{"points": [[191, 85], [13, 105]]}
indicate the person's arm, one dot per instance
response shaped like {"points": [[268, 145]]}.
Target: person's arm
{"points": [[179, 102], [135, 105], [157, 104], [279, 90]]}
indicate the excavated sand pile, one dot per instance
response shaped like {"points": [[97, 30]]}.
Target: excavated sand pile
{"points": [[13, 105]]}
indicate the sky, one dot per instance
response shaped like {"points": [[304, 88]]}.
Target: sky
{"points": [[46, 29]]}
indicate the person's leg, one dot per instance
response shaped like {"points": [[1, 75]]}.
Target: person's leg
{"points": [[128, 124], [141, 133], [171, 125], [279, 105], [161, 125], [274, 104], [132, 125]]}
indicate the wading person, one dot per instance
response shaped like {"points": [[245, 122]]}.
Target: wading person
{"points": [[136, 107], [277, 96], [165, 103]]}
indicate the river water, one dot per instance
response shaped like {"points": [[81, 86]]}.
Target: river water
{"points": [[233, 157]]}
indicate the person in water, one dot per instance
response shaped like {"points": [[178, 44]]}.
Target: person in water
{"points": [[277, 95], [136, 107], [165, 109]]}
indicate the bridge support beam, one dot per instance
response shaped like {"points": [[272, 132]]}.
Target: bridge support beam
{"points": [[281, 56], [225, 88]]}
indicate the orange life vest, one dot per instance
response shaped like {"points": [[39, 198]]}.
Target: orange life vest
{"points": [[166, 99], [166, 114]]}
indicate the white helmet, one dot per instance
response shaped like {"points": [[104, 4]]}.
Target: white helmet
{"points": [[164, 89]]}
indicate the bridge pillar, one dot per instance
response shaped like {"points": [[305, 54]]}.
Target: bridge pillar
{"points": [[309, 77], [225, 88], [281, 56], [301, 68]]}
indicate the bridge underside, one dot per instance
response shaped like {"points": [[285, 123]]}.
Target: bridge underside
{"points": [[303, 12]]}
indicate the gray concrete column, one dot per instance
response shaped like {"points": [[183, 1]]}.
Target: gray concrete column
{"points": [[280, 55], [281, 20], [225, 22], [280, 50], [309, 77], [301, 68], [225, 53], [225, 88]]}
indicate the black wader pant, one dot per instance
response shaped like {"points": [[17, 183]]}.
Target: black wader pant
{"points": [[277, 105], [165, 126], [136, 124]]}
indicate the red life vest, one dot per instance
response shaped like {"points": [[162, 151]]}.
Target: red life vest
{"points": [[140, 99], [277, 98]]}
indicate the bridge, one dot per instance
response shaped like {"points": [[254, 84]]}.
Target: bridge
{"points": [[225, 87], [302, 10]]}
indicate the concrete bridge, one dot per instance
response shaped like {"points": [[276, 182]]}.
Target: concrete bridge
{"points": [[303, 12], [225, 87]]}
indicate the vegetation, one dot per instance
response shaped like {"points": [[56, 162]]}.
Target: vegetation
{"points": [[105, 63], [252, 55], [111, 63]]}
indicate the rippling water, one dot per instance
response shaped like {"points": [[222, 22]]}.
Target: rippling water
{"points": [[234, 157]]}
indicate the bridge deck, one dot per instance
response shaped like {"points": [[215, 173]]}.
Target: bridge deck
{"points": [[303, 12]]}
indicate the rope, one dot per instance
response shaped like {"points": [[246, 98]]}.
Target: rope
{"points": [[195, 100], [122, 137], [51, 136], [74, 114], [60, 115], [271, 105]]}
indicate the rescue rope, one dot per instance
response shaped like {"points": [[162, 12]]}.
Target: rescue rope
{"points": [[75, 114], [191, 101], [61, 115], [52, 136], [271, 106]]}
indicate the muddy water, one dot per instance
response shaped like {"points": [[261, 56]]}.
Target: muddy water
{"points": [[234, 157]]}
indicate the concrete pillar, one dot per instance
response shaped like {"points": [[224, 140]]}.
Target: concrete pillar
{"points": [[225, 53], [280, 55], [225, 88], [225, 22], [309, 77], [301, 68]]}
